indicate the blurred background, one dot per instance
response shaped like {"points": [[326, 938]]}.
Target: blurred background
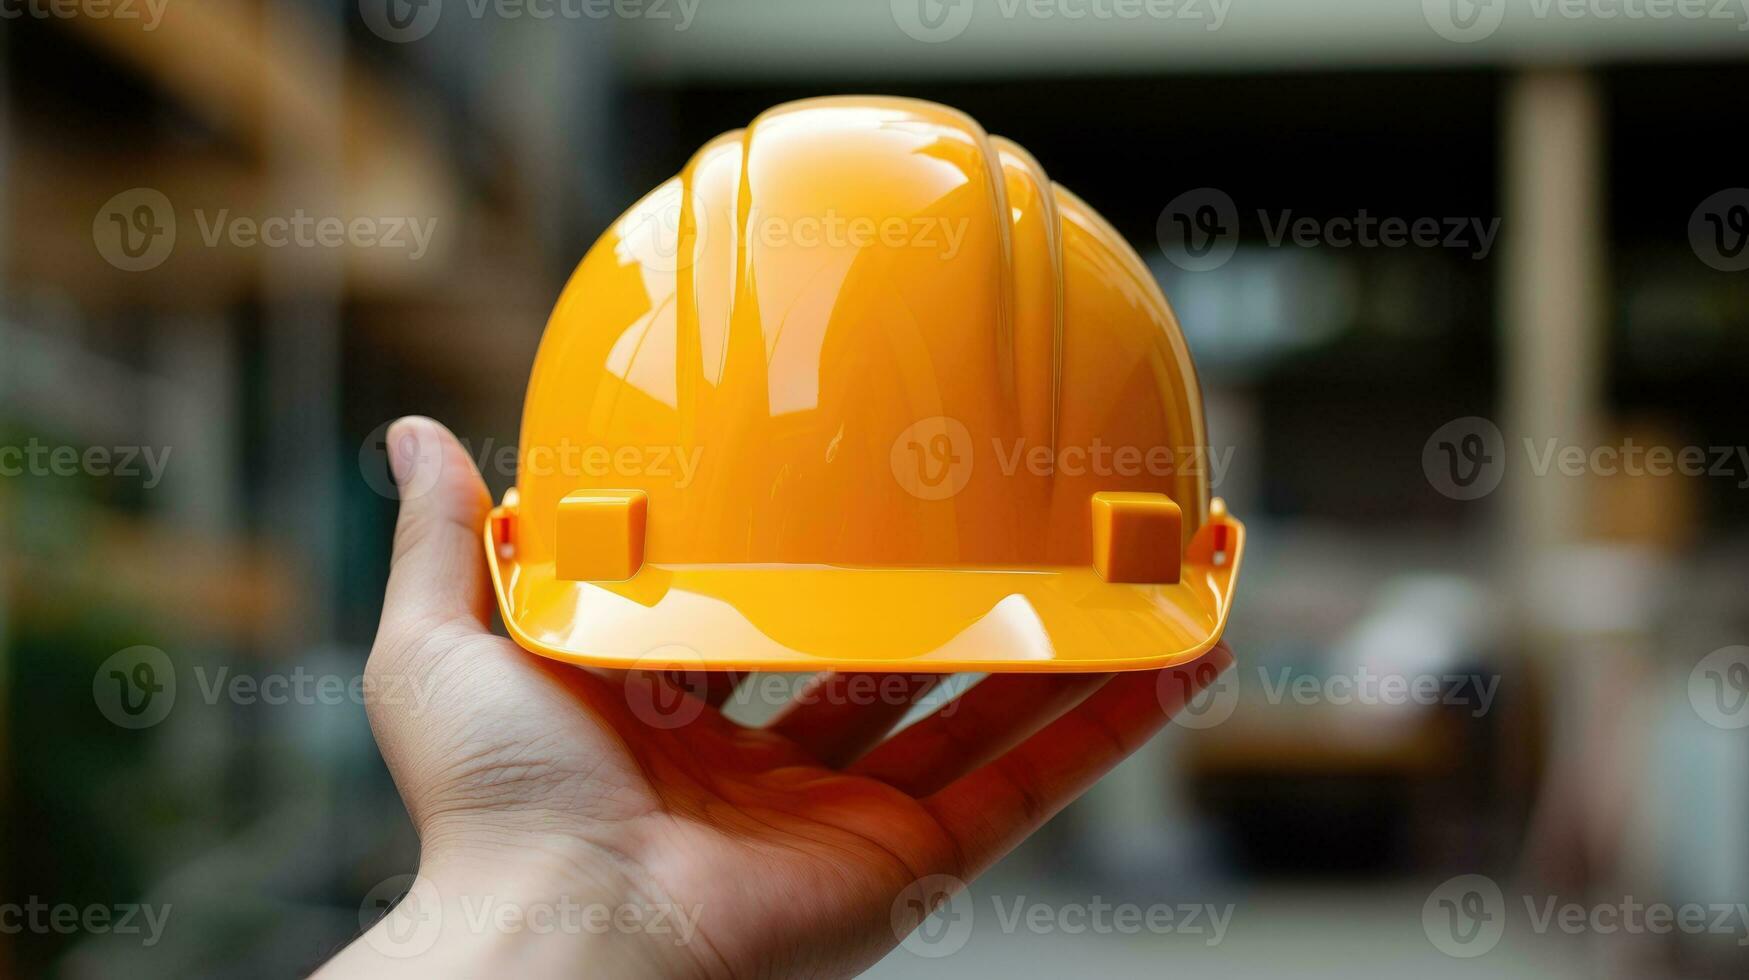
{"points": [[1490, 638]]}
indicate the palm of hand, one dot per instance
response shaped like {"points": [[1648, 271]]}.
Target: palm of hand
{"points": [[782, 851], [791, 844]]}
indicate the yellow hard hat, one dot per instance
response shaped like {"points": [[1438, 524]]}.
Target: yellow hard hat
{"points": [[863, 389]]}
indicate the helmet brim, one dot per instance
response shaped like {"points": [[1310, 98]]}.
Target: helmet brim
{"points": [[790, 617]]}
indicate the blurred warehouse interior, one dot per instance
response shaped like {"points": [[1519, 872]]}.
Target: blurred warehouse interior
{"points": [[270, 374]]}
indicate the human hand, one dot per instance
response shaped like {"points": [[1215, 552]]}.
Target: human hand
{"points": [[536, 785]]}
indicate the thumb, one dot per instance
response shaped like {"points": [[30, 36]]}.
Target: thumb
{"points": [[438, 573]]}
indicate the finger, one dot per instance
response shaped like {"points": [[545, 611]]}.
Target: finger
{"points": [[840, 714], [995, 807], [437, 575], [981, 724]]}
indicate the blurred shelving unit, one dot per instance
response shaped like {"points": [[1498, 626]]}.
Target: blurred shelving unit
{"points": [[234, 361]]}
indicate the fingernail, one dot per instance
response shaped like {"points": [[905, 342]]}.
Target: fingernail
{"points": [[402, 443]]}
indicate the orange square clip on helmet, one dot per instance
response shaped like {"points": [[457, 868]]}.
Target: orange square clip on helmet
{"points": [[862, 389]]}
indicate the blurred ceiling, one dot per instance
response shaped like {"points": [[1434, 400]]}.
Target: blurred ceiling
{"points": [[937, 38]]}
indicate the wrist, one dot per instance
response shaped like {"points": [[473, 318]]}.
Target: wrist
{"points": [[538, 910]]}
